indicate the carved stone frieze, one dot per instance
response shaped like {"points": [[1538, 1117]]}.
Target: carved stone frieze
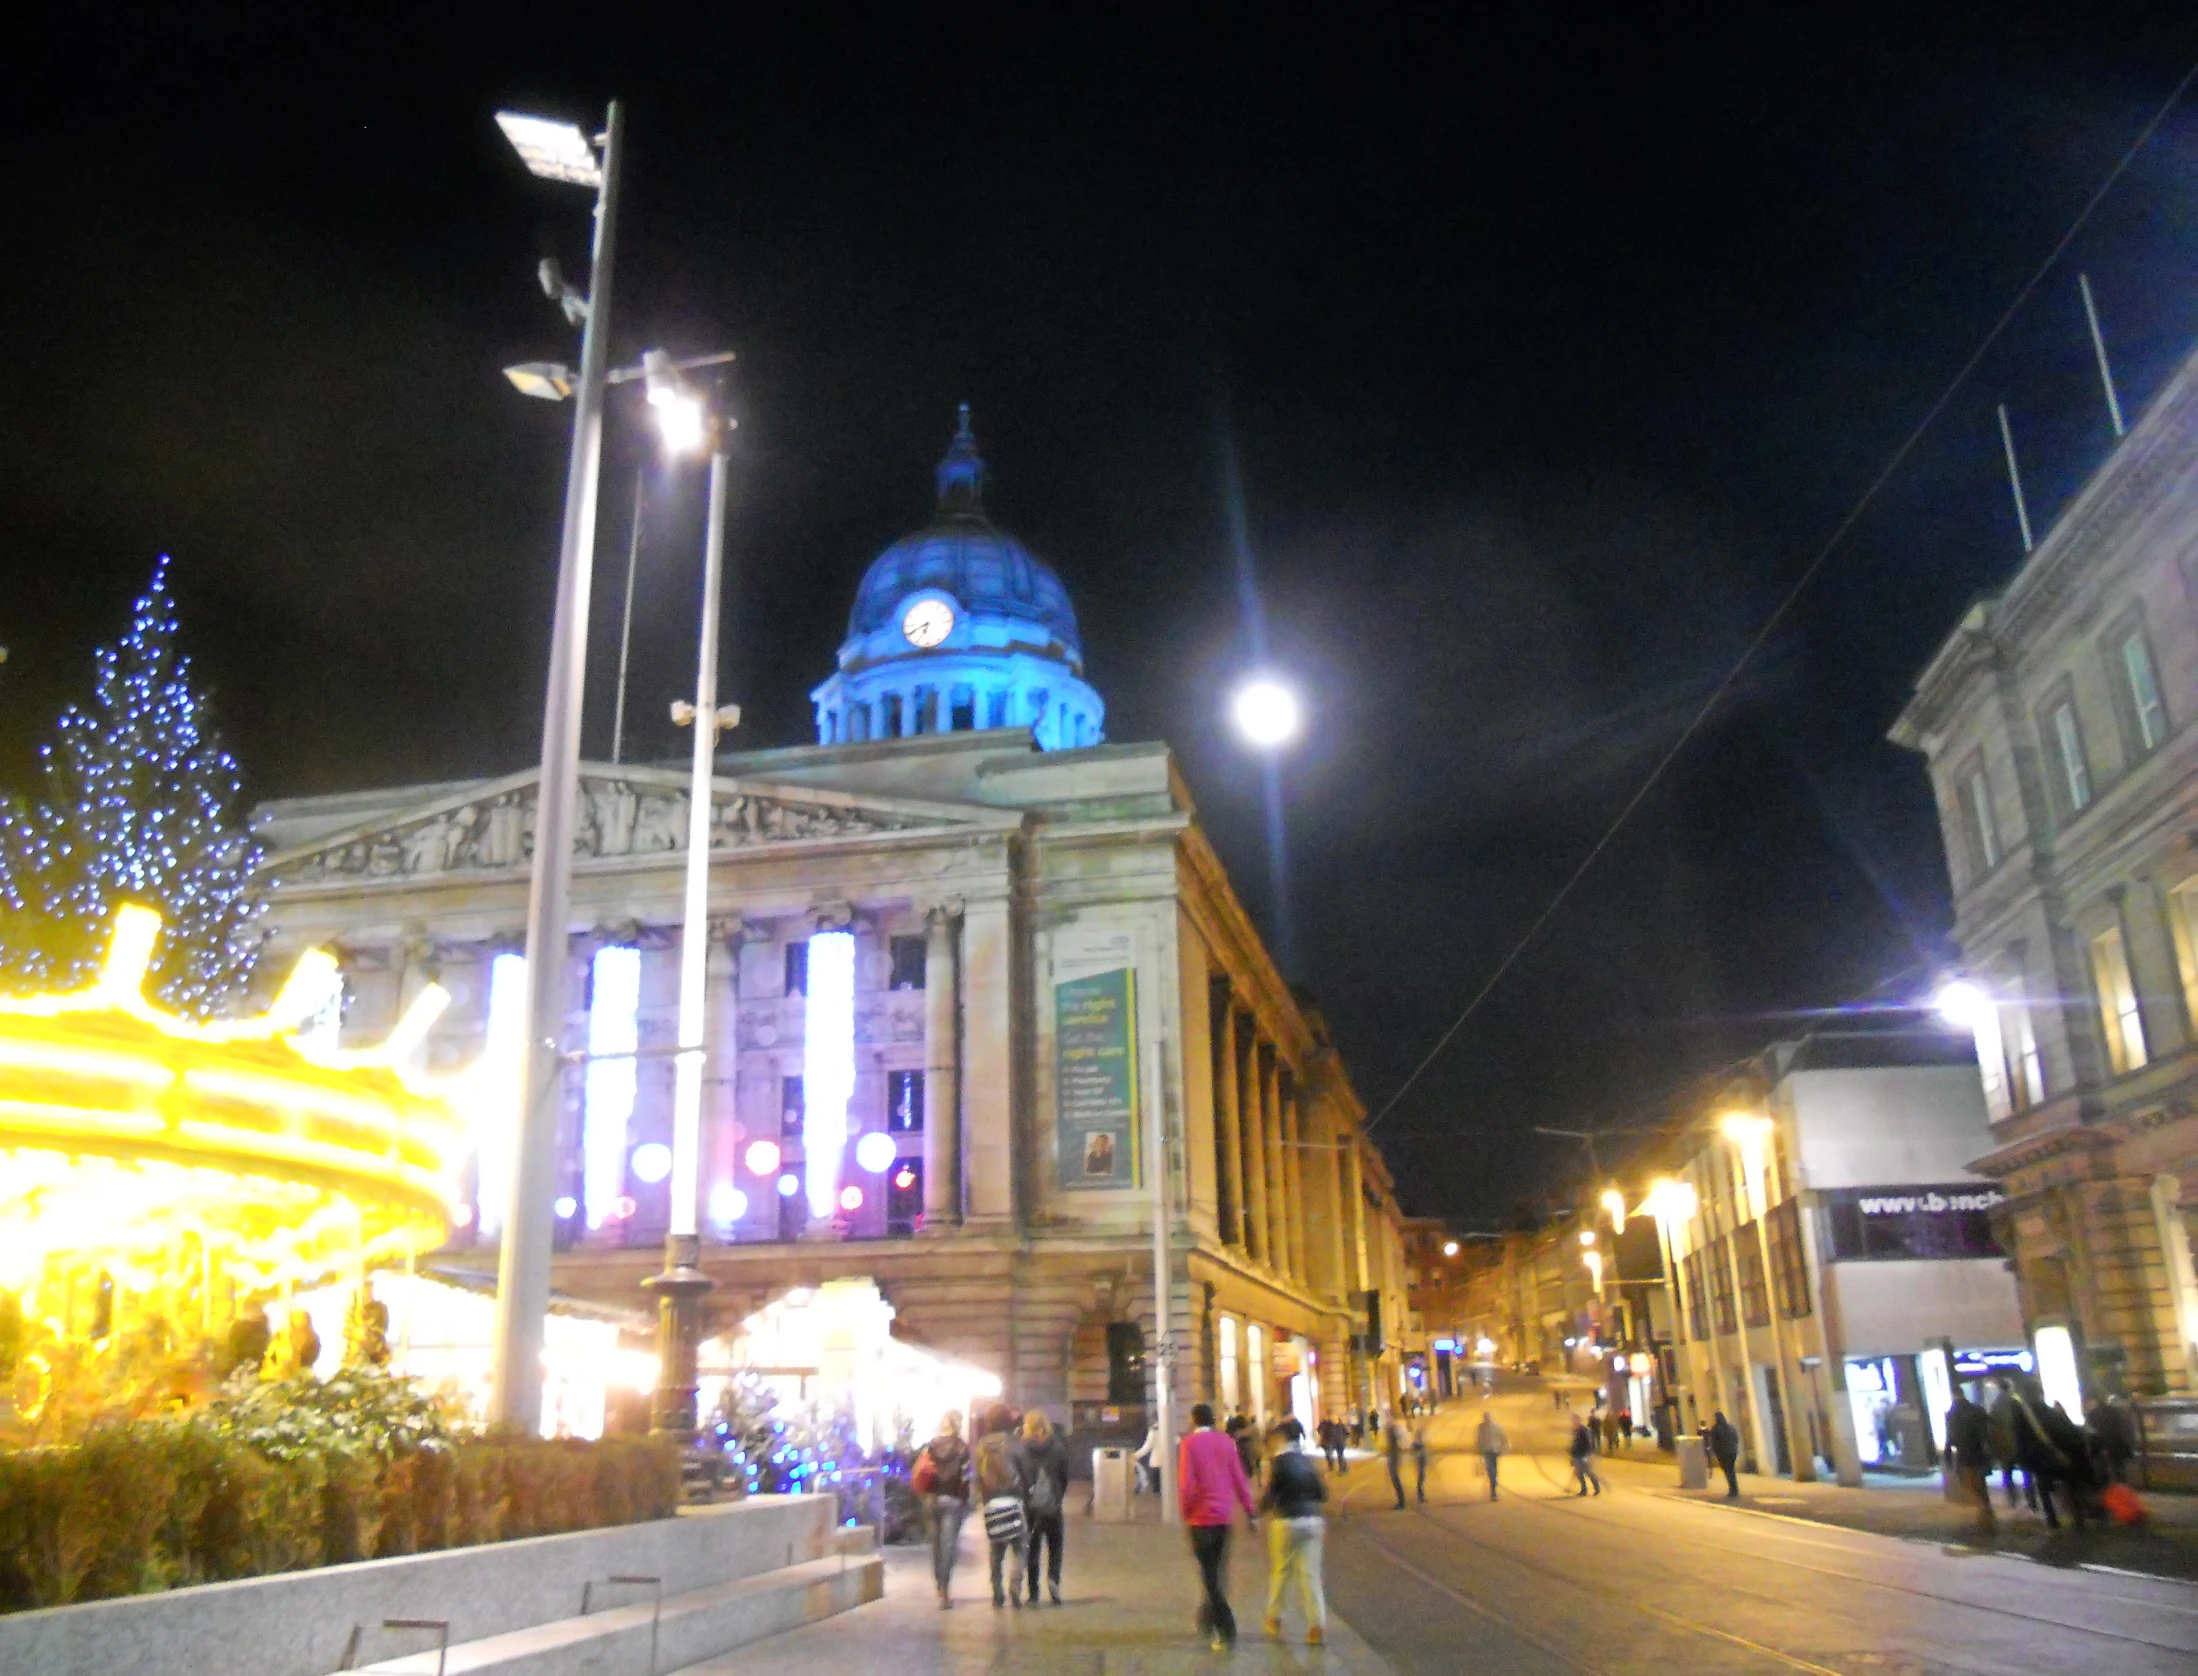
{"points": [[614, 818]]}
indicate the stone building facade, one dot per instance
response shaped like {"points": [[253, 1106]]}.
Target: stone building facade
{"points": [[1014, 916], [2056, 722]]}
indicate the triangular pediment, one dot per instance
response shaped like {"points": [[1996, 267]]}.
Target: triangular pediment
{"points": [[622, 814]]}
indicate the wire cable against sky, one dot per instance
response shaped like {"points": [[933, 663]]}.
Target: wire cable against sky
{"points": [[1793, 594]]}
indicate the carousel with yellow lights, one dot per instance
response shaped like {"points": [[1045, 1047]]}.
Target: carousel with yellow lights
{"points": [[159, 1176]]}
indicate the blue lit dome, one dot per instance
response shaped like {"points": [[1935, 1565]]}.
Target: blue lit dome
{"points": [[959, 628], [986, 569]]}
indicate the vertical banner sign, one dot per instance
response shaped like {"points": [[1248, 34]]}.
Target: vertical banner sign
{"points": [[1095, 1063]]}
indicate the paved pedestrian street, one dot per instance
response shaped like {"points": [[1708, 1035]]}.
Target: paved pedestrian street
{"points": [[1543, 1583]]}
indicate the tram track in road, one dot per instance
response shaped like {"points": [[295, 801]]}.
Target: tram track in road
{"points": [[1555, 1505], [1552, 1504], [1533, 1638]]}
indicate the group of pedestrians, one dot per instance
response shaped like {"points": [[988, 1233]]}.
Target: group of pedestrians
{"points": [[2061, 1462], [1018, 1476], [1213, 1485]]}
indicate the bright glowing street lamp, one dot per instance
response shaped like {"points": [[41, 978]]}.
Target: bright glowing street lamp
{"points": [[1615, 1202], [1962, 1004], [561, 152], [1266, 712]]}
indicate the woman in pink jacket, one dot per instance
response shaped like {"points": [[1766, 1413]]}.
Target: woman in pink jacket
{"points": [[1211, 1486]]}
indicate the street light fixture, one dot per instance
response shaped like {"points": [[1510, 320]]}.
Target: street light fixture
{"points": [[1266, 712], [1962, 1004], [686, 422], [554, 151], [1615, 1202], [548, 381]]}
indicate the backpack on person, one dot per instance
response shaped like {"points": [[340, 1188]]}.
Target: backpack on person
{"points": [[1044, 1493]]}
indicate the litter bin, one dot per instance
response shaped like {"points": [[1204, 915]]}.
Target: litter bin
{"points": [[1694, 1464], [1110, 1486]]}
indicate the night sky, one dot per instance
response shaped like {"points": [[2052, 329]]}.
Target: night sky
{"points": [[1551, 352]]}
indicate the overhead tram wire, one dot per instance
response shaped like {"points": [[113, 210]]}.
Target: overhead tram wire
{"points": [[1793, 594]]}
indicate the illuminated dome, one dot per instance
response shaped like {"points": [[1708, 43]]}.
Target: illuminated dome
{"points": [[960, 627], [164, 1153]]}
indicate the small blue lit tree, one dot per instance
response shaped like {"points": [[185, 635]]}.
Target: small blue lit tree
{"points": [[138, 806]]}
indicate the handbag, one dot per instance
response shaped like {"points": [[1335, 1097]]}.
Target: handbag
{"points": [[925, 1476], [1004, 1519]]}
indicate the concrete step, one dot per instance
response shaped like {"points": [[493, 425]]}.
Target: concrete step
{"points": [[698, 1625]]}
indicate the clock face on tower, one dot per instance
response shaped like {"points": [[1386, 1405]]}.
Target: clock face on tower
{"points": [[928, 622]]}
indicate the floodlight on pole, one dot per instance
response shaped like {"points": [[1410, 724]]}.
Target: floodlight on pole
{"points": [[547, 381], [553, 150], [681, 418]]}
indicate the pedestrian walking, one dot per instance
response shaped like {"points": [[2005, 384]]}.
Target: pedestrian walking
{"points": [[2114, 1439], [1244, 1433], [1358, 1428], [1625, 1431], [1296, 1528], [1419, 1460], [1724, 1442], [1969, 1440], [1148, 1469], [1210, 1486], [1488, 1438], [941, 1477], [2002, 1413], [1042, 1458], [1583, 1459], [1000, 1491], [1610, 1431], [1396, 1462]]}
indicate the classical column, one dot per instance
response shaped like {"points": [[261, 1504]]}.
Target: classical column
{"points": [[1339, 1277], [1293, 1177], [942, 1130], [1354, 1195], [1246, 1043], [1228, 1121], [986, 970], [1270, 1131]]}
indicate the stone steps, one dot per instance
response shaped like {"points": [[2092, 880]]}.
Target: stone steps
{"points": [[692, 1627]]}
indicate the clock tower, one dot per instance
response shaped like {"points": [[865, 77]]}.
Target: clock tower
{"points": [[959, 628]]}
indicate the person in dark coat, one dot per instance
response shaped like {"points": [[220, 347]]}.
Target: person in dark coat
{"points": [[1583, 1458], [1723, 1438], [2048, 1462], [2114, 1439], [1969, 1443], [1042, 1458], [1396, 1461]]}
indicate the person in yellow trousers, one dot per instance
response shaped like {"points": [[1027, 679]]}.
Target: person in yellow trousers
{"points": [[1295, 1532]]}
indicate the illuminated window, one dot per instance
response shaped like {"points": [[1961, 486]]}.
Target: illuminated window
{"points": [[904, 1101], [2029, 1089], [1255, 1370], [2146, 711], [614, 1009], [908, 958], [1984, 833], [2182, 920], [1992, 1061], [2119, 1017], [1229, 1392], [2068, 742], [797, 969]]}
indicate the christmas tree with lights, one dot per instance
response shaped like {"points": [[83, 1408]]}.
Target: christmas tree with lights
{"points": [[137, 807]]}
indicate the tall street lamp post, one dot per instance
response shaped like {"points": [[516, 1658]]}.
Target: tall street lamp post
{"points": [[554, 151], [1673, 1204], [687, 422]]}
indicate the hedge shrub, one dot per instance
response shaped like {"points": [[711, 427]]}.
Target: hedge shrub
{"points": [[157, 1504]]}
